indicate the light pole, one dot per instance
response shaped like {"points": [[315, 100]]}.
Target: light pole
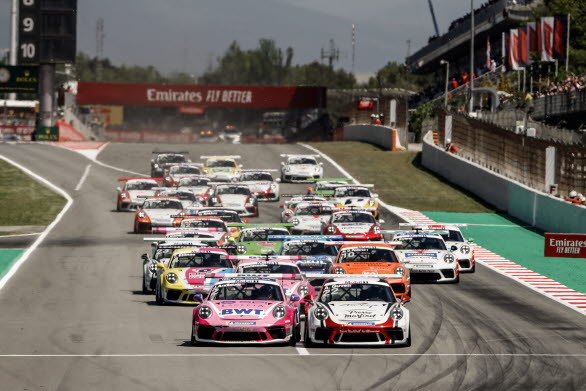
{"points": [[447, 64], [472, 28]]}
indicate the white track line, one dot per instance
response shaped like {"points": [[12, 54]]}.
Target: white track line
{"points": [[345, 354], [44, 234], [301, 350], [12, 236], [83, 177]]}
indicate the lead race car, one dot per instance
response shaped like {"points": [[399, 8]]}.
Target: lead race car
{"points": [[300, 168], [357, 310], [247, 309], [221, 168], [131, 196], [261, 184], [427, 257], [164, 160]]}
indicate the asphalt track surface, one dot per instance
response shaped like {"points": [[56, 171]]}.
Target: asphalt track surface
{"points": [[73, 316]]}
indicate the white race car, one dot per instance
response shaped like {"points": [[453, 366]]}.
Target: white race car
{"points": [[300, 168], [455, 242], [164, 160], [174, 173], [235, 196], [290, 205], [357, 311], [427, 257], [309, 217], [157, 212], [357, 196], [261, 184], [188, 198], [132, 195]]}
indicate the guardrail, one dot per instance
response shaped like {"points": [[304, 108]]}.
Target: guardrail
{"points": [[560, 104], [379, 135]]}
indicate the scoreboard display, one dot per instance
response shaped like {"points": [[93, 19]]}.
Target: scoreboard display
{"points": [[47, 31]]}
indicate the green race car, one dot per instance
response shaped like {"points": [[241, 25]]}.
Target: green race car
{"points": [[253, 239]]}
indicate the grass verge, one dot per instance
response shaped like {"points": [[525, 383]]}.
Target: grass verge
{"points": [[400, 180], [23, 201]]}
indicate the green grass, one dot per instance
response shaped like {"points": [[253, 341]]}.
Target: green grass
{"points": [[400, 180], [24, 201]]}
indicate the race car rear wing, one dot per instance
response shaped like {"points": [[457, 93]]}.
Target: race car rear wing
{"points": [[129, 179], [220, 157], [180, 240], [353, 278], [415, 229], [255, 276], [264, 257], [260, 170], [435, 226], [164, 230]]}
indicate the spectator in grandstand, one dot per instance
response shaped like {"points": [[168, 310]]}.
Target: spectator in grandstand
{"points": [[377, 120], [573, 197], [451, 147]]}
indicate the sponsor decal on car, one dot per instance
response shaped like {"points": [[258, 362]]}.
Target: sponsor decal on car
{"points": [[241, 311]]}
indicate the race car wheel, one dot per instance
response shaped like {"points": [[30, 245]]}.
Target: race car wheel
{"points": [[473, 269], [306, 339], [193, 340], [409, 293], [118, 208], [159, 298], [145, 289], [457, 280], [296, 337], [408, 343]]}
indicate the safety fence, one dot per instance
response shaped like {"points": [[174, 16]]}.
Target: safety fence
{"points": [[560, 104]]}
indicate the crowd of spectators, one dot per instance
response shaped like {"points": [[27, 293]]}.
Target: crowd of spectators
{"points": [[572, 83]]}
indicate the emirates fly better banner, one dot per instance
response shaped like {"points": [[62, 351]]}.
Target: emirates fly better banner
{"points": [[565, 245]]}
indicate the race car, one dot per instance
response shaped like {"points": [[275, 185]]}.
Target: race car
{"points": [[254, 240], [300, 287], [371, 259], [215, 225], [289, 206], [309, 217], [300, 168], [246, 310], [455, 241], [326, 186], [230, 135], [198, 185], [185, 274], [161, 251], [226, 214], [207, 136], [427, 257], [157, 212], [188, 198], [164, 160], [235, 196], [132, 194], [261, 184], [353, 225], [317, 255], [356, 196], [357, 311], [221, 168], [174, 173]]}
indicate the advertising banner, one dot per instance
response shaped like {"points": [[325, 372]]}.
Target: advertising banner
{"points": [[565, 245]]}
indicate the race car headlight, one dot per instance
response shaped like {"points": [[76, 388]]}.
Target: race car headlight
{"points": [[295, 221], [182, 213], [400, 271], [376, 230], [465, 249], [371, 202], [123, 196], [303, 291], [156, 165], [449, 258], [141, 215], [153, 268], [241, 249], [320, 313], [171, 278], [204, 312], [332, 229], [397, 313], [339, 270], [273, 185], [279, 312], [287, 169], [215, 200]]}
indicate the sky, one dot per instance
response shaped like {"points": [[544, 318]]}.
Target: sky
{"points": [[188, 35]]}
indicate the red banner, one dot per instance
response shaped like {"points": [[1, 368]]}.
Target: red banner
{"points": [[200, 95], [194, 110], [560, 37], [565, 245], [22, 130]]}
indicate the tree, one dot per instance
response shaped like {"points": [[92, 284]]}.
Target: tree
{"points": [[395, 75]]}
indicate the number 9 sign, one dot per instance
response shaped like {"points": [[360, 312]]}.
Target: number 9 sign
{"points": [[28, 32]]}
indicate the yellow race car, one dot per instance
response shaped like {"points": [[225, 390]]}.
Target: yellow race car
{"points": [[222, 168], [356, 196]]}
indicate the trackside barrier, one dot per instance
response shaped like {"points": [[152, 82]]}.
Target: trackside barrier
{"points": [[548, 213], [379, 135], [68, 132]]}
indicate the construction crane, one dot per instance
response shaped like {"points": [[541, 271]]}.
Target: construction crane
{"points": [[433, 18]]}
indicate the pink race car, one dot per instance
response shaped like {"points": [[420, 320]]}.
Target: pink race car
{"points": [[247, 309]]}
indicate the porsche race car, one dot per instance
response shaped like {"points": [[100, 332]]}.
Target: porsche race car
{"points": [[131, 196], [174, 173], [300, 168], [309, 217], [164, 160], [221, 168], [157, 212], [237, 197], [261, 184], [356, 196], [353, 224]]}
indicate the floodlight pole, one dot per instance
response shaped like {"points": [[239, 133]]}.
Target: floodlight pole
{"points": [[472, 28]]}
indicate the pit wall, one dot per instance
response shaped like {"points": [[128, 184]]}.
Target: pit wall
{"points": [[534, 208], [379, 135]]}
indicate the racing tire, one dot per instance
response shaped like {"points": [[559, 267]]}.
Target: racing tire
{"points": [[408, 343], [296, 337], [306, 341], [194, 341], [158, 298], [457, 280], [473, 268], [145, 289], [118, 208], [409, 293]]}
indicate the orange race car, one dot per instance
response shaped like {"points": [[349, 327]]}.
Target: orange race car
{"points": [[373, 258]]}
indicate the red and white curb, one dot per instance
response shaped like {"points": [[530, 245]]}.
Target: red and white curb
{"points": [[535, 281]]}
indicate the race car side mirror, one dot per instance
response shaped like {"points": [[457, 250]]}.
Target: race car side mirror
{"points": [[118, 189], [375, 195], [321, 163], [406, 299], [145, 256], [295, 297], [278, 180], [198, 298], [381, 221], [287, 213], [160, 265], [281, 206], [247, 220], [454, 248]]}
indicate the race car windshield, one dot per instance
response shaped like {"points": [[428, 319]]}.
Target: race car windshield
{"points": [[229, 216], [201, 260], [308, 248], [356, 292], [246, 291], [190, 223], [367, 255], [271, 268], [258, 235], [233, 190], [452, 236], [194, 182], [172, 159], [421, 243], [313, 211], [221, 163], [140, 185], [353, 218], [302, 160], [162, 204], [260, 177], [185, 170], [352, 193], [163, 253]]}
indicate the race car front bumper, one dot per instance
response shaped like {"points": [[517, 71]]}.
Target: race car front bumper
{"points": [[299, 177], [430, 273], [184, 296], [334, 334], [242, 332], [362, 236]]}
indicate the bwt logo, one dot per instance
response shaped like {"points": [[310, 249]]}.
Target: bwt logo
{"points": [[241, 311]]}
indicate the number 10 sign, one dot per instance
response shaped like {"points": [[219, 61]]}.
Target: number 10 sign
{"points": [[28, 31]]}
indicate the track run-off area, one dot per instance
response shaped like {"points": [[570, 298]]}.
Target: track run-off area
{"points": [[73, 316]]}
